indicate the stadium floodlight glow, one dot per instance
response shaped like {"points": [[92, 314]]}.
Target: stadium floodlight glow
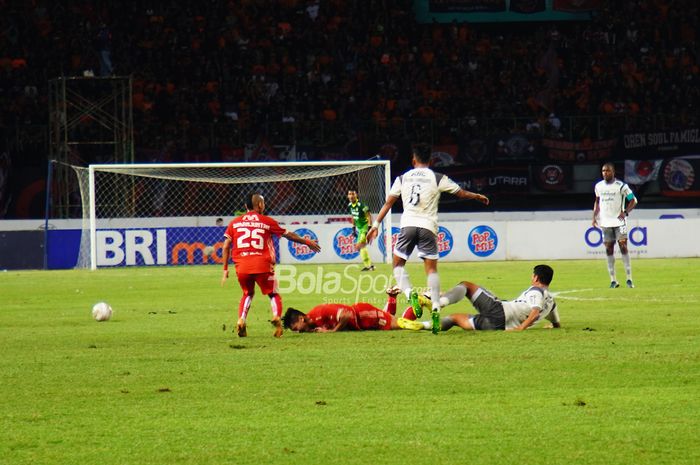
{"points": [[132, 196]]}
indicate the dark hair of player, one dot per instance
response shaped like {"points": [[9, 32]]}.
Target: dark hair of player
{"points": [[544, 273], [291, 316], [250, 202], [422, 152]]}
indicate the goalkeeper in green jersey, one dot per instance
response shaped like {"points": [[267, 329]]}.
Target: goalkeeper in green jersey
{"points": [[361, 219]]}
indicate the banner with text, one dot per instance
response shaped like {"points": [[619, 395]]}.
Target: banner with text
{"points": [[583, 151], [643, 145], [495, 179]]}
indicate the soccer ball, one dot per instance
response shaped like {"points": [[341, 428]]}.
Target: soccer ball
{"points": [[101, 311]]}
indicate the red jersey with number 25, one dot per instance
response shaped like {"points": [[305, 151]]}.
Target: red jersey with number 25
{"points": [[251, 242]]}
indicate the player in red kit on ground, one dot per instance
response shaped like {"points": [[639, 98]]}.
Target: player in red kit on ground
{"points": [[332, 317], [249, 237]]}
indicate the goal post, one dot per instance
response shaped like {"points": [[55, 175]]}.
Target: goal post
{"points": [[153, 214]]}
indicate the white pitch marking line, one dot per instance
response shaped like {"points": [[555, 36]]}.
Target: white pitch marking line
{"points": [[559, 295]]}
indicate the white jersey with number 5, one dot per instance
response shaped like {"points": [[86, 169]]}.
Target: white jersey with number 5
{"points": [[420, 190]]}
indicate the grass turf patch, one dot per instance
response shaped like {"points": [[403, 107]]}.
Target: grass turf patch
{"points": [[167, 381]]}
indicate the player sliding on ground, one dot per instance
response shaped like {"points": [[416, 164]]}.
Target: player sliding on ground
{"points": [[250, 238], [532, 305]]}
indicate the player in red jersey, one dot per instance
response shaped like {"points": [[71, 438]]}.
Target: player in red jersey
{"points": [[334, 317], [250, 238]]}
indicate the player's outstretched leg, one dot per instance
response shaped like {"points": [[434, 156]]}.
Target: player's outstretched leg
{"points": [[413, 325]]}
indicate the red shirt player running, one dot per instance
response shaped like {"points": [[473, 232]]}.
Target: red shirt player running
{"points": [[250, 238]]}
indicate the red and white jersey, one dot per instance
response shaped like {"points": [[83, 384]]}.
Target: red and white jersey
{"points": [[251, 242], [420, 190]]}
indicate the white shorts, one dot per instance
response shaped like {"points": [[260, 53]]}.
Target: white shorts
{"points": [[617, 233]]}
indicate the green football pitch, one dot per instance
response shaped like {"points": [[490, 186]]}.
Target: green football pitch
{"points": [[166, 381]]}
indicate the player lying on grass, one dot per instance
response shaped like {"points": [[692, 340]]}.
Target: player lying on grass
{"points": [[333, 317], [532, 305]]}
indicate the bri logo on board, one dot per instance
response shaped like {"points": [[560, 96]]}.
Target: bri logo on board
{"points": [[302, 251], [482, 241]]}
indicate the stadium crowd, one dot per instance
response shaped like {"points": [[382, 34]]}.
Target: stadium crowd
{"points": [[348, 62]]}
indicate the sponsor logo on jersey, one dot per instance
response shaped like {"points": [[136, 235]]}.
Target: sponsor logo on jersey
{"points": [[344, 244], [444, 241], [302, 251], [482, 241]]}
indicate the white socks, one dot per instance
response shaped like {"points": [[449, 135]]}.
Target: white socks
{"points": [[434, 285], [628, 265], [611, 267], [401, 277], [454, 295]]}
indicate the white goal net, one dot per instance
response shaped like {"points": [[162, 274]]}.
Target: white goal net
{"points": [[163, 214]]}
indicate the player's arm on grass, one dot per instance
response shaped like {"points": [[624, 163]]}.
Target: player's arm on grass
{"points": [[226, 251], [553, 316], [374, 229], [294, 237], [343, 320]]}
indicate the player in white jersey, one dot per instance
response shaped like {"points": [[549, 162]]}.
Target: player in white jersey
{"points": [[420, 189], [532, 305], [614, 201]]}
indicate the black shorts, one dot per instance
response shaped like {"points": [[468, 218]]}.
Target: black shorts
{"points": [[491, 315]]}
